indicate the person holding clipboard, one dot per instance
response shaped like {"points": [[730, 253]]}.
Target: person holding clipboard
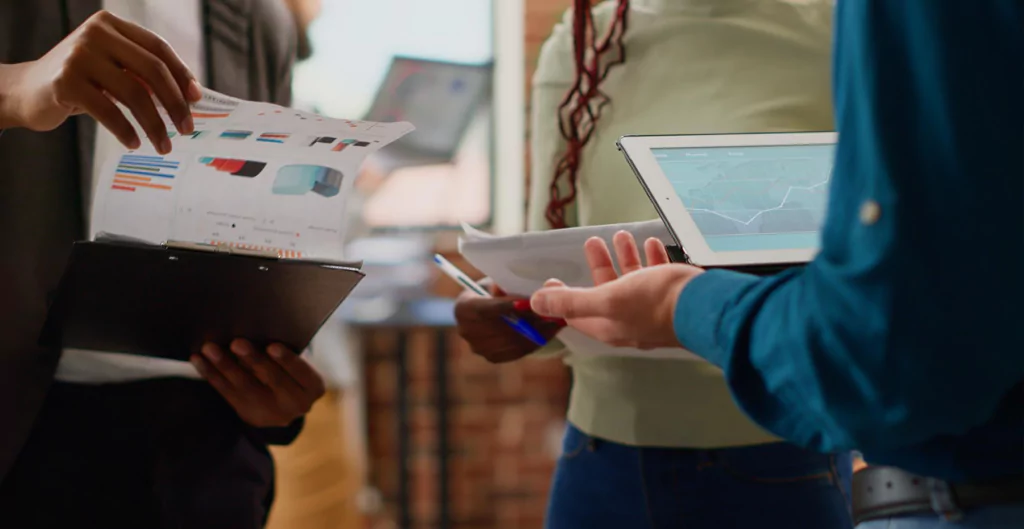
{"points": [[91, 438], [903, 338]]}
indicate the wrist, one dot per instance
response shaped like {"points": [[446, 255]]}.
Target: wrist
{"points": [[11, 76], [686, 275]]}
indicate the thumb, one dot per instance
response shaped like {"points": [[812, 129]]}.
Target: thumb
{"points": [[570, 303]]}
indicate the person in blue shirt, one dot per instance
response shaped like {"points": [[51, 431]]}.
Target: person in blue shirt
{"points": [[904, 337]]}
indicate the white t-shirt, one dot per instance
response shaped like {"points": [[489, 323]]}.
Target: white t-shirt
{"points": [[692, 67], [180, 24]]}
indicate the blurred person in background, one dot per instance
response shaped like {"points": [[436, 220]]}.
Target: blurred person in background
{"points": [[97, 439], [660, 443]]}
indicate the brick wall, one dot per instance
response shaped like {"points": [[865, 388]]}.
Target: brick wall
{"points": [[502, 418], [500, 422]]}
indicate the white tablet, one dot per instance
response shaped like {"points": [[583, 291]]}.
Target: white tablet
{"points": [[738, 200]]}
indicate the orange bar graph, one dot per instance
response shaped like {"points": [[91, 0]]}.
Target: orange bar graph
{"points": [[141, 184], [209, 115], [133, 177]]}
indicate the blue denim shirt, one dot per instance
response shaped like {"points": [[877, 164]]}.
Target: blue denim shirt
{"points": [[904, 338]]}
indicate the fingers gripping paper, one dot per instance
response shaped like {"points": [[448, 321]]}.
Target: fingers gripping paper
{"points": [[520, 264]]}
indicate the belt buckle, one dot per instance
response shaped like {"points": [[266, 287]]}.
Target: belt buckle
{"points": [[942, 501]]}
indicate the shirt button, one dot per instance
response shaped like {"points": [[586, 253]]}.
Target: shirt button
{"points": [[869, 212]]}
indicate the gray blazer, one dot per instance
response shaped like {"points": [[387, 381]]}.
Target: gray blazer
{"points": [[45, 178]]}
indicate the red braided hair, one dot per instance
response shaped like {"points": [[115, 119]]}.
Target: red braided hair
{"points": [[583, 105]]}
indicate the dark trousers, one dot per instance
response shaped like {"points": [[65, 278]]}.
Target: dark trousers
{"points": [[153, 454]]}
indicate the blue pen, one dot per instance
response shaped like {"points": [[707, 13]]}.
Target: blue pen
{"points": [[521, 326]]}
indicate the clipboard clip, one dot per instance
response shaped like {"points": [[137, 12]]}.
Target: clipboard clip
{"points": [[220, 248]]}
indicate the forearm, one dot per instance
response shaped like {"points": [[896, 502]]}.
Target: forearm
{"points": [[783, 359], [10, 77], [823, 361]]}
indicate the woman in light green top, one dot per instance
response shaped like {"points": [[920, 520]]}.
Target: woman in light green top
{"points": [[660, 443]]}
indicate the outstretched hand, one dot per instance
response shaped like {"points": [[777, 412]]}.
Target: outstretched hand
{"points": [[631, 310]]}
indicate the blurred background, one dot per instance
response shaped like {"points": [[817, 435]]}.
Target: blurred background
{"points": [[416, 432]]}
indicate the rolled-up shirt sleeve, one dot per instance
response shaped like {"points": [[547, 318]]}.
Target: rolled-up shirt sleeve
{"points": [[907, 325]]}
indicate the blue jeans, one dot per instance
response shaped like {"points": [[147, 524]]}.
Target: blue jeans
{"points": [[599, 484], [1001, 517]]}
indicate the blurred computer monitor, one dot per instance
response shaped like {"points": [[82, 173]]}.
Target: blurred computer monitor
{"points": [[441, 98]]}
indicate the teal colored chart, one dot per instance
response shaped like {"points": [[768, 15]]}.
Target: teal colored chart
{"points": [[753, 198], [301, 179]]}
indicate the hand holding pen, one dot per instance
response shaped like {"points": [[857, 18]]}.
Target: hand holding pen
{"points": [[497, 327]]}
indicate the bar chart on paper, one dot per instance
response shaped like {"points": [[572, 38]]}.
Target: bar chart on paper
{"points": [[250, 176], [134, 173], [273, 137]]}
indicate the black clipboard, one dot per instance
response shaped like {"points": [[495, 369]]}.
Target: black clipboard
{"points": [[165, 301]]}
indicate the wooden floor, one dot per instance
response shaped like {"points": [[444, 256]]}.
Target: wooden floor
{"points": [[320, 475]]}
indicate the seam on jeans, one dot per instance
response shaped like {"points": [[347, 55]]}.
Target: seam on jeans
{"points": [[838, 480], [780, 481], [643, 487], [578, 449], [725, 466], [677, 489]]}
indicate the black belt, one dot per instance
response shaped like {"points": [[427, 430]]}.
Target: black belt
{"points": [[886, 492]]}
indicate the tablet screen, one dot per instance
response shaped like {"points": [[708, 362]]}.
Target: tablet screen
{"points": [[753, 197]]}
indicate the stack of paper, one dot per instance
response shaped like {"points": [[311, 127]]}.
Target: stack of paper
{"points": [[520, 264], [253, 176]]}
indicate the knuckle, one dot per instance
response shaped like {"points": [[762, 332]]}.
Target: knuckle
{"points": [[138, 94], [63, 84], [77, 54], [96, 27], [92, 28], [154, 72], [102, 16], [74, 64], [163, 47]]}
